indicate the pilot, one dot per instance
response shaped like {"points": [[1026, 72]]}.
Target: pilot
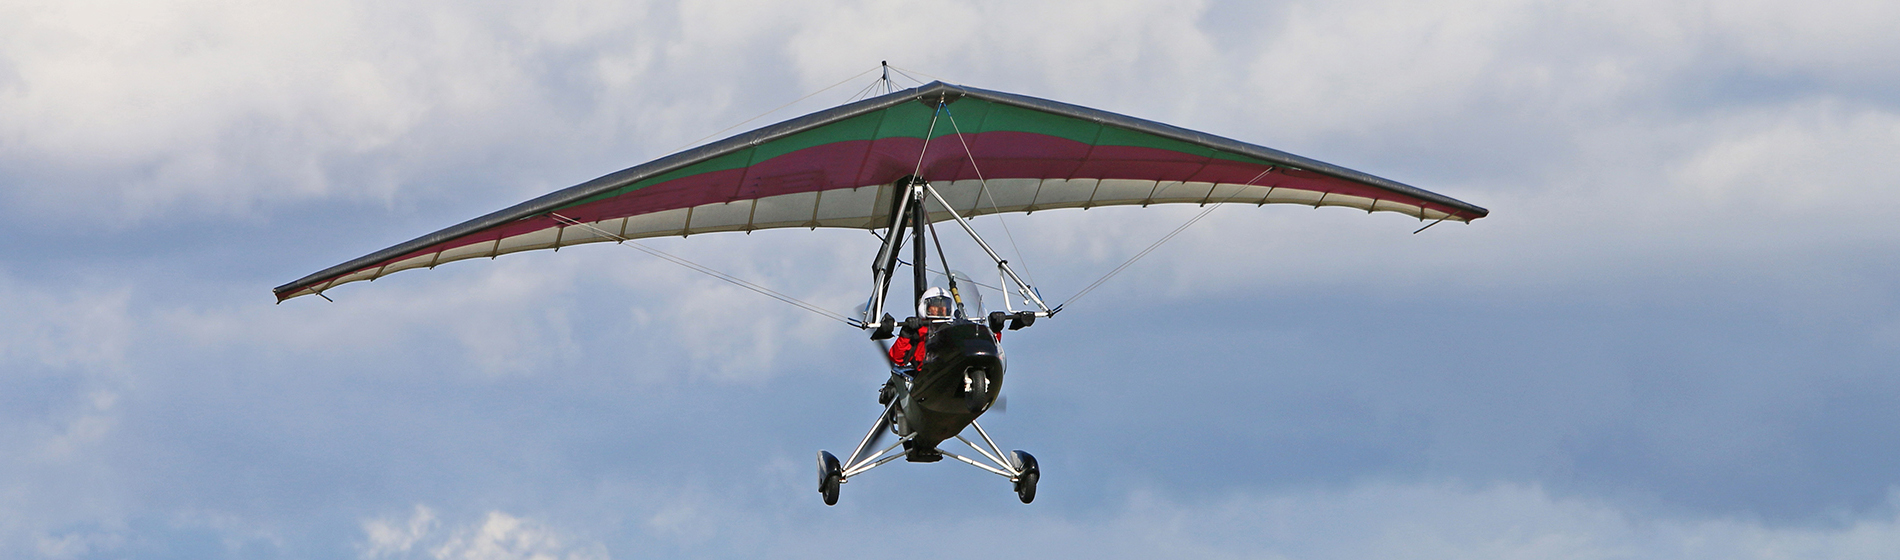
{"points": [[908, 351]]}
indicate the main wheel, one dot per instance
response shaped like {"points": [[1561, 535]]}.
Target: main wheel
{"points": [[830, 475], [1026, 482]]}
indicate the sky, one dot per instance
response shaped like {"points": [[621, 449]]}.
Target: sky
{"points": [[1675, 337]]}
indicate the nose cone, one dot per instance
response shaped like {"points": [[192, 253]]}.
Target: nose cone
{"points": [[969, 344]]}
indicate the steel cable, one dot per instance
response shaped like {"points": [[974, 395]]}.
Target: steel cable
{"points": [[709, 271]]}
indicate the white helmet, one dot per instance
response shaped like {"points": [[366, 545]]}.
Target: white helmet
{"points": [[934, 297]]}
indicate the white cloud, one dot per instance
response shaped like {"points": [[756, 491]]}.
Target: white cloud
{"points": [[91, 423], [1818, 161], [187, 108], [1124, 51], [1679, 200], [395, 538], [235, 108], [498, 536], [83, 333], [78, 544], [1507, 521], [83, 327], [1370, 519], [533, 314], [1422, 521], [1857, 45], [506, 319]]}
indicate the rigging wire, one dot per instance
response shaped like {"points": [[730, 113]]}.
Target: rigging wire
{"points": [[917, 234], [983, 186], [914, 79], [942, 273], [885, 81], [1164, 239], [709, 271], [1138, 256], [918, 174], [861, 92]]}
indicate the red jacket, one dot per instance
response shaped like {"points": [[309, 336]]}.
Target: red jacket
{"points": [[906, 353]]}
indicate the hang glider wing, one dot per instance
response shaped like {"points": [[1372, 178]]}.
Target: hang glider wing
{"points": [[835, 168]]}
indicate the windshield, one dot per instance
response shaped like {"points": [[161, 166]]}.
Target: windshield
{"points": [[971, 297]]}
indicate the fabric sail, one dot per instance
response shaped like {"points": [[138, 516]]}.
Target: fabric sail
{"points": [[836, 168]]}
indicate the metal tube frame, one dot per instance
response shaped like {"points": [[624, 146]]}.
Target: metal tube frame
{"points": [[993, 447], [1028, 292], [973, 463], [886, 265], [881, 421], [846, 477], [980, 450], [859, 463], [919, 263]]}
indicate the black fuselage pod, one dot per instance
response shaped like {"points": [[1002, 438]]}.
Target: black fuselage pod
{"points": [[938, 408]]}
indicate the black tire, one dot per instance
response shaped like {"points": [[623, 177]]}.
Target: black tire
{"points": [[830, 476], [979, 394], [1031, 474]]}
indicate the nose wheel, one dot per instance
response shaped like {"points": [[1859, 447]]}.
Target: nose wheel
{"points": [[976, 390]]}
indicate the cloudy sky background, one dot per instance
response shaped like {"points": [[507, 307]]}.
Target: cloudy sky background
{"points": [[1675, 337]]}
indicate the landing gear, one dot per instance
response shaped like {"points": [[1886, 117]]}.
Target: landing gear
{"points": [[1027, 473], [1017, 466], [830, 475]]}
